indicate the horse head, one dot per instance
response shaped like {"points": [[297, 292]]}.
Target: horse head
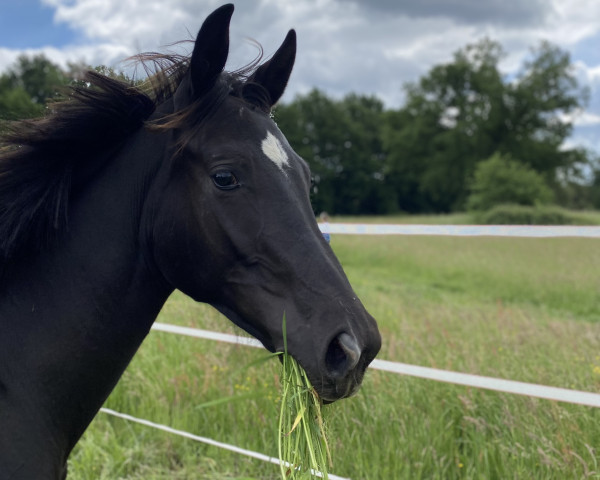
{"points": [[232, 224]]}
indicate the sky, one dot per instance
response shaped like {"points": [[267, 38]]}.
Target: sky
{"points": [[370, 47]]}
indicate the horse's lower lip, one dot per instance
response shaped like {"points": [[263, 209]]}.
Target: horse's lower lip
{"points": [[327, 400], [333, 393]]}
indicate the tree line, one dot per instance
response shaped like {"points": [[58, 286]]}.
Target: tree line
{"points": [[425, 156]]}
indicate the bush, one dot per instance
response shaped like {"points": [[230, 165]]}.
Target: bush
{"points": [[527, 215], [500, 180]]}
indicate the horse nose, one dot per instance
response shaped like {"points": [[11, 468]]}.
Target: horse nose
{"points": [[342, 355]]}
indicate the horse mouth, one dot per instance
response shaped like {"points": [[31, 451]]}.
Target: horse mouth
{"points": [[330, 388], [333, 391]]}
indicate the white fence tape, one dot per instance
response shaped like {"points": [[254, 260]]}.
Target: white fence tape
{"points": [[489, 383], [527, 231], [208, 441], [206, 334]]}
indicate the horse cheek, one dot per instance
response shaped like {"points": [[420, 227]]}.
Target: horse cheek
{"points": [[180, 251]]}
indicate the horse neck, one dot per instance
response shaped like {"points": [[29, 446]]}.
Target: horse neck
{"points": [[72, 318]]}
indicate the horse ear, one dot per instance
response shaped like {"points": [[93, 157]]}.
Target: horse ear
{"points": [[210, 50], [274, 74]]}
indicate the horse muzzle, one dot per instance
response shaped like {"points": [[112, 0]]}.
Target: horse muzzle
{"points": [[344, 367]]}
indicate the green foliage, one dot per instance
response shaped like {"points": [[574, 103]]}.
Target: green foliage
{"points": [[465, 111], [15, 103], [112, 73], [444, 129], [341, 142], [419, 158], [594, 190], [28, 85], [501, 180], [37, 75], [32, 82], [531, 215]]}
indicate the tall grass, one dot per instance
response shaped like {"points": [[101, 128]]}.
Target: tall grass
{"points": [[302, 444], [523, 309]]}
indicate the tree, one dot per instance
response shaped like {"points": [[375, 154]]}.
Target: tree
{"points": [[446, 126], [464, 111], [501, 180], [15, 103], [544, 95], [28, 85], [595, 191], [32, 82], [341, 142], [38, 76]]}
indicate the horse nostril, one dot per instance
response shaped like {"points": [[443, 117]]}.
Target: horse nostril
{"points": [[343, 355]]}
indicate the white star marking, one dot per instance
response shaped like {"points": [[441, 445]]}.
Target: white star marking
{"points": [[274, 151]]}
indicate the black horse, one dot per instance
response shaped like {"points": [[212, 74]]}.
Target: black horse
{"points": [[121, 195]]}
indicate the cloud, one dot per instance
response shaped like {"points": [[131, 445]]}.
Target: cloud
{"points": [[338, 50], [581, 119], [584, 137], [127, 22], [532, 12], [100, 54]]}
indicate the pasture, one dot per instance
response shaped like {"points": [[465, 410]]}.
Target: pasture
{"points": [[521, 309]]}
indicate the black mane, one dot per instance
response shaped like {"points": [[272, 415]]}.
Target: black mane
{"points": [[38, 157]]}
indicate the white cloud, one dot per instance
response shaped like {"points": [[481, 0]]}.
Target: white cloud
{"points": [[127, 22], [344, 45], [98, 54], [587, 119], [573, 21], [582, 119], [586, 73]]}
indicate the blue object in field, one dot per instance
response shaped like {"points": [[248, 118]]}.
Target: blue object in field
{"points": [[327, 237]]}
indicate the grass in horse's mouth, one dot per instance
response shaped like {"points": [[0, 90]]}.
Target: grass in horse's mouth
{"points": [[303, 448]]}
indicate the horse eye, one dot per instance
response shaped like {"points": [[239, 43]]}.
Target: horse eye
{"points": [[225, 180]]}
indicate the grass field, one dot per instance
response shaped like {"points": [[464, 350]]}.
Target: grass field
{"points": [[522, 309]]}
